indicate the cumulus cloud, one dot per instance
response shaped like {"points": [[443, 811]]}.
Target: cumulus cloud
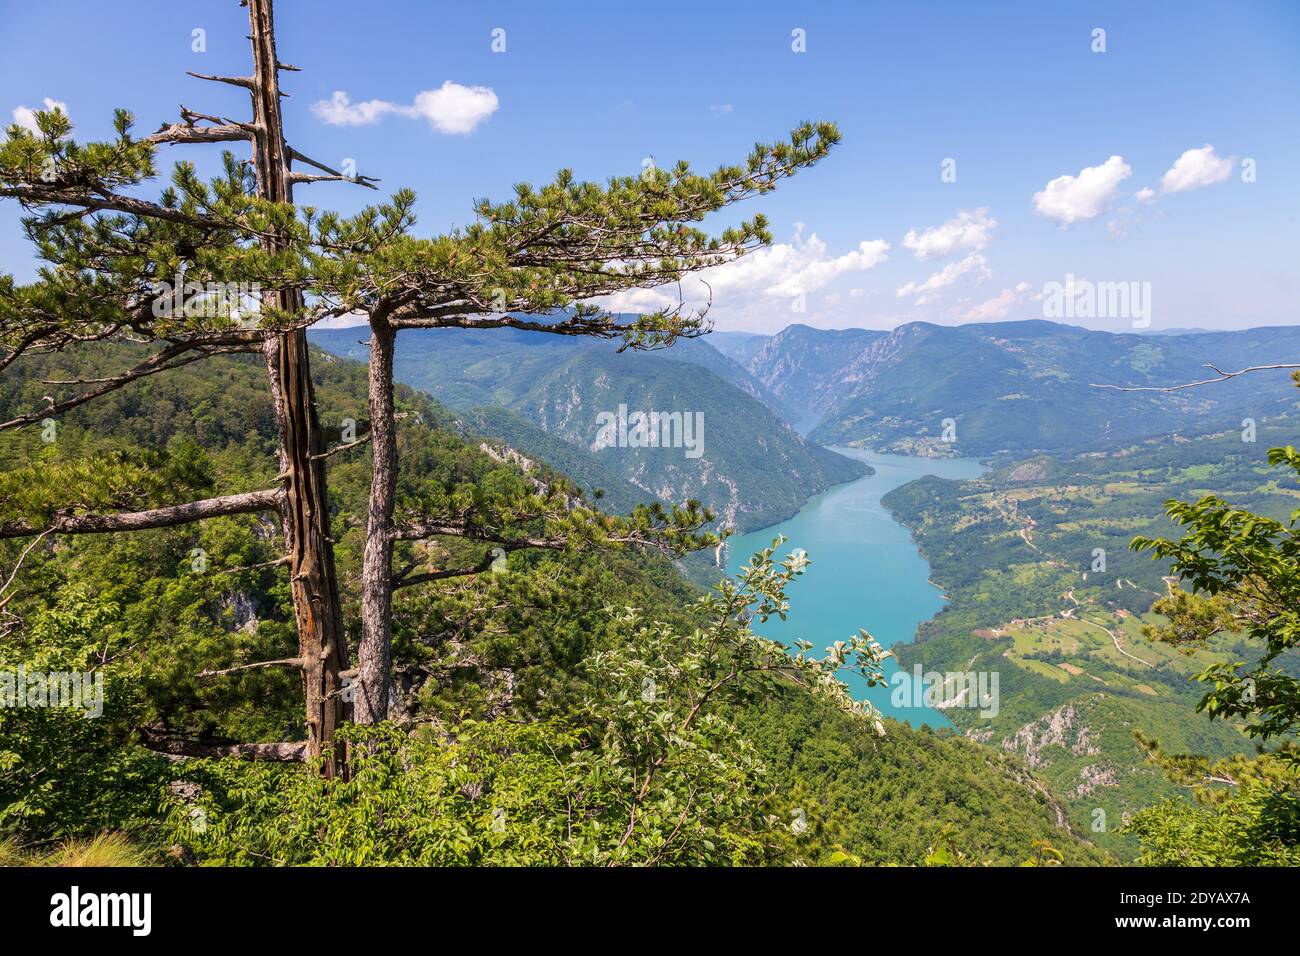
{"points": [[638, 301], [1069, 199], [1196, 168], [764, 282], [965, 231], [945, 277], [25, 116], [451, 108], [998, 307], [1145, 195], [812, 268]]}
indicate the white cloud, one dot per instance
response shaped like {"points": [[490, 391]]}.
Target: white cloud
{"points": [[451, 108], [1196, 168], [1069, 199], [722, 108], [1145, 195], [25, 116], [813, 269], [965, 231], [945, 277], [998, 307], [761, 285], [347, 320], [638, 301], [339, 110]]}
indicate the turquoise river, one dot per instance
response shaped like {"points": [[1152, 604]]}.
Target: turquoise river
{"points": [[864, 569]]}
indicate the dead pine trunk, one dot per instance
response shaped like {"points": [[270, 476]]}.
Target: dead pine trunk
{"points": [[374, 651], [305, 514]]}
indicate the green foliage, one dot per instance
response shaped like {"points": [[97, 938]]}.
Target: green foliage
{"points": [[1246, 812], [503, 673], [652, 771], [491, 796], [1244, 572], [69, 770], [841, 789], [1258, 826]]}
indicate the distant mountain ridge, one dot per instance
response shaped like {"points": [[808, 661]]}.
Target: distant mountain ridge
{"points": [[1013, 388]]}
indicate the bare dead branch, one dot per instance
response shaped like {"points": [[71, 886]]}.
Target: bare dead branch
{"points": [[17, 567], [164, 517], [338, 448], [331, 175], [1223, 377], [283, 662], [218, 130], [254, 567], [286, 751], [244, 82]]}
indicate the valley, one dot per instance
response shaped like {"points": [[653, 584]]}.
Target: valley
{"points": [[1031, 554], [1042, 589], [864, 570], [751, 468], [1045, 590]]}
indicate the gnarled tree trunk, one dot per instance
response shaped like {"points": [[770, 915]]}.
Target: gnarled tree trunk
{"points": [[305, 513]]}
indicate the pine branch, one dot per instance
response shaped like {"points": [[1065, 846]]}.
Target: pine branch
{"points": [[98, 200], [406, 579], [464, 528]]}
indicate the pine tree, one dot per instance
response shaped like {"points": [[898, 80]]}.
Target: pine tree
{"points": [[232, 265]]}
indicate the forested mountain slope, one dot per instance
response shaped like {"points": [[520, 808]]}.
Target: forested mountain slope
{"points": [[497, 661], [750, 467]]}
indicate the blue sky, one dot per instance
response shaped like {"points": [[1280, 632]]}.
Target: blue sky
{"points": [[1012, 92]]}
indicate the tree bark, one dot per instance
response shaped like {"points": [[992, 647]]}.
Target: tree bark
{"points": [[305, 513], [374, 652]]}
